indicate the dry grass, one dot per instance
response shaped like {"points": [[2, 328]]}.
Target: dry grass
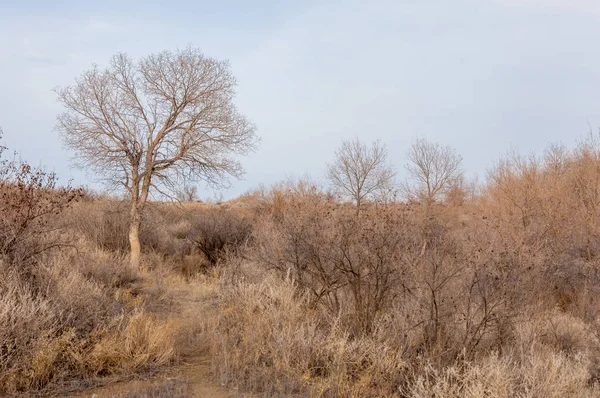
{"points": [[292, 293], [477, 299], [541, 374], [90, 317], [268, 340], [84, 319]]}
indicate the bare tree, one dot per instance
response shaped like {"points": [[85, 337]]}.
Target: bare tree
{"points": [[359, 172], [188, 193], [148, 125], [434, 170]]}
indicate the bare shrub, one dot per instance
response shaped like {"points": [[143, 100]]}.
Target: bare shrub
{"points": [[270, 340], [215, 230], [30, 200], [567, 334], [188, 193], [516, 180], [24, 318], [337, 256], [456, 283]]}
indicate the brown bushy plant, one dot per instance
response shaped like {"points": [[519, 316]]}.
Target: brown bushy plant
{"points": [[69, 312], [215, 230], [492, 295], [29, 201]]}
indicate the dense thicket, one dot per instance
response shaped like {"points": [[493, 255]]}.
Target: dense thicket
{"points": [[442, 298], [487, 292]]}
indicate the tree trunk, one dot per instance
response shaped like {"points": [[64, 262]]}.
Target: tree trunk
{"points": [[134, 236]]}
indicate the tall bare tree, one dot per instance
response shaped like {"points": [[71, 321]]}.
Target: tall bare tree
{"points": [[149, 124], [359, 172]]}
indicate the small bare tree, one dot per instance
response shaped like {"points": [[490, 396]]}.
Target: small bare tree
{"points": [[359, 172], [434, 170], [188, 193], [148, 125]]}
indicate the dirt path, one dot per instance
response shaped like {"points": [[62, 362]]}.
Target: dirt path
{"points": [[193, 304], [186, 380]]}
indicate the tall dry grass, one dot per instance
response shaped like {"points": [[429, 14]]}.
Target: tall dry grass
{"points": [[86, 319], [493, 295], [71, 311], [271, 341], [76, 313]]}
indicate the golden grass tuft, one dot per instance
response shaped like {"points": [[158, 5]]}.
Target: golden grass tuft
{"points": [[145, 342]]}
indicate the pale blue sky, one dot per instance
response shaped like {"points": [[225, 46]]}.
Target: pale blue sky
{"points": [[479, 75]]}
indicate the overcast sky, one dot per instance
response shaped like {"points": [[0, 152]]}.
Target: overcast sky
{"points": [[479, 75]]}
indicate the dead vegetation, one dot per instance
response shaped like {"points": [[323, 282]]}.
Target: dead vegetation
{"points": [[492, 295], [495, 294], [73, 311]]}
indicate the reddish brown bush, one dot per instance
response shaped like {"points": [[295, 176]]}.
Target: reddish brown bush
{"points": [[30, 202]]}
